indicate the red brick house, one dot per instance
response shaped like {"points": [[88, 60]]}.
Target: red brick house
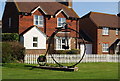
{"points": [[36, 21], [104, 31]]}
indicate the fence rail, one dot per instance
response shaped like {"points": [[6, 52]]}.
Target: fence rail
{"points": [[72, 58]]}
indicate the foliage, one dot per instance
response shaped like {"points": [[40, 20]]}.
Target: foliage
{"points": [[6, 53], [12, 51], [118, 53], [10, 37], [72, 51]]}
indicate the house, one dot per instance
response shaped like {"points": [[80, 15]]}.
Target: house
{"points": [[0, 29], [0, 26], [104, 30], [36, 21]]}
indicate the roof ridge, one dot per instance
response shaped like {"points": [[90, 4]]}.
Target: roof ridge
{"points": [[102, 13]]}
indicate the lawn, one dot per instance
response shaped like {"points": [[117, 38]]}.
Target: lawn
{"points": [[86, 71]]}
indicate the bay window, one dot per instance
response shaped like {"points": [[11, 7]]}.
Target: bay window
{"points": [[61, 42]]}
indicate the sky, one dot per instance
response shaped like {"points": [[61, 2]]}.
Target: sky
{"points": [[83, 7]]}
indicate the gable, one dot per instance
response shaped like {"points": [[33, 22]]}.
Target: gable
{"points": [[62, 12], [62, 15], [40, 9], [27, 39], [35, 32]]}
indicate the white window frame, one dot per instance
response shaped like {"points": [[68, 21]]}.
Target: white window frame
{"points": [[105, 47], [59, 42], [117, 31], [39, 19], [62, 21], [105, 31], [35, 42], [9, 22]]}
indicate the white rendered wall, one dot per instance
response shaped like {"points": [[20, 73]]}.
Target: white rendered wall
{"points": [[28, 39]]}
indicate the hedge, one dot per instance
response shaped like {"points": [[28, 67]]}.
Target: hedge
{"points": [[10, 37], [72, 51], [12, 52]]}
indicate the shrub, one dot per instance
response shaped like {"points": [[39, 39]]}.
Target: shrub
{"points": [[6, 53], [10, 37], [72, 51], [12, 51], [118, 53]]}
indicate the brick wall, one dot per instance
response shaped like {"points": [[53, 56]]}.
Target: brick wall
{"points": [[109, 39], [27, 21]]}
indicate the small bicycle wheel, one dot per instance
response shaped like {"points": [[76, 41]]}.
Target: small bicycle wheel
{"points": [[42, 60]]}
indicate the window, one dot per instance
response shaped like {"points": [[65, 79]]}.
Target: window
{"points": [[9, 22], [38, 20], [116, 31], [105, 31], [61, 42], [60, 22], [105, 48], [35, 41]]}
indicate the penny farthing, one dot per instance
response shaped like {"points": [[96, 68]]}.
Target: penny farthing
{"points": [[65, 46]]}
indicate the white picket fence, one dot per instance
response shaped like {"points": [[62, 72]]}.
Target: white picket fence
{"points": [[72, 58]]}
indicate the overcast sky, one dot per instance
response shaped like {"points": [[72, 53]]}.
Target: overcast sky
{"points": [[83, 7]]}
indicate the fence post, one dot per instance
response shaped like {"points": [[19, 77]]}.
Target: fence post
{"points": [[108, 58]]}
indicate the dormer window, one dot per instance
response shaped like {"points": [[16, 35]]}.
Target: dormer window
{"points": [[60, 21], [38, 20], [105, 31], [117, 31]]}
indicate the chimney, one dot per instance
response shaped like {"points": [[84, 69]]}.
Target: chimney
{"points": [[66, 3]]}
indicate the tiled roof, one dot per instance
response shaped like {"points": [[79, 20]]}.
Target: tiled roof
{"points": [[103, 20], [28, 29], [49, 7]]}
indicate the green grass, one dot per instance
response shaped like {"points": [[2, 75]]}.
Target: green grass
{"points": [[86, 71]]}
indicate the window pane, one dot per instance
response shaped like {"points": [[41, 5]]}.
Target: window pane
{"points": [[59, 19], [59, 43], [35, 39], [59, 24], [36, 17], [63, 40], [64, 20], [34, 44], [116, 31], [41, 22], [40, 17], [36, 22]]}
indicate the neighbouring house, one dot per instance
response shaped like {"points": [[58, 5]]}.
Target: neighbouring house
{"points": [[0, 26], [104, 30], [36, 21], [0, 30]]}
